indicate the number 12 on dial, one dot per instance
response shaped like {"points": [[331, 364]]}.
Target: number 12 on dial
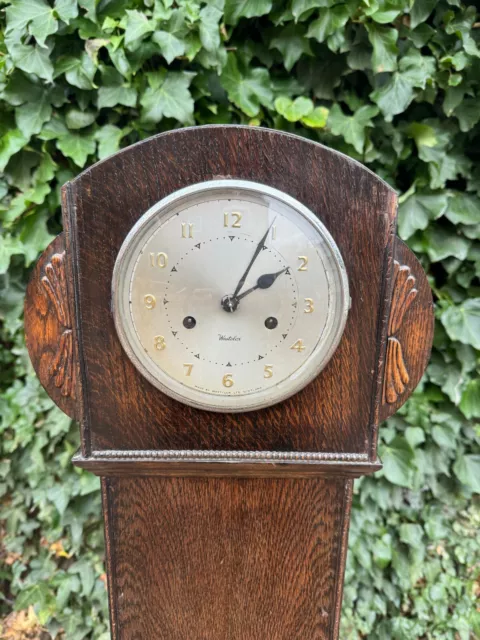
{"points": [[262, 282]]}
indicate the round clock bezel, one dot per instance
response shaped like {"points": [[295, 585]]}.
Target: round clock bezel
{"points": [[124, 266]]}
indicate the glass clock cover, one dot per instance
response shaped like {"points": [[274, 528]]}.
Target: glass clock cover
{"points": [[229, 295]]}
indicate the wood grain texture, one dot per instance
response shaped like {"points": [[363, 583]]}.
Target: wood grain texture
{"points": [[218, 559], [48, 327], [227, 526], [117, 463], [336, 412], [410, 330]]}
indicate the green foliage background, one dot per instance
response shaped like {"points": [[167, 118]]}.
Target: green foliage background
{"points": [[393, 83]]}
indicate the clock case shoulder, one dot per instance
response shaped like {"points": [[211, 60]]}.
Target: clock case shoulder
{"points": [[49, 310], [70, 367]]}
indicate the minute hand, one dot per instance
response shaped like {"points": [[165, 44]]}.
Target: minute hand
{"points": [[241, 282]]}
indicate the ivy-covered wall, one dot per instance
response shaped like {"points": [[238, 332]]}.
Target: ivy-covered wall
{"points": [[392, 83]]}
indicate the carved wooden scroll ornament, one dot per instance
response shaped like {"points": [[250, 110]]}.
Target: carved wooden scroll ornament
{"points": [[49, 327], [396, 372], [62, 367], [409, 332]]}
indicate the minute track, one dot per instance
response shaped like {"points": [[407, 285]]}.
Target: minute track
{"points": [[254, 358], [264, 361]]}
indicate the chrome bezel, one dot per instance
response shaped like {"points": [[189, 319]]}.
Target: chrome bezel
{"points": [[170, 386]]}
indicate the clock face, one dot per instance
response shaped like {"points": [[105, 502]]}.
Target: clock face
{"points": [[229, 295]]}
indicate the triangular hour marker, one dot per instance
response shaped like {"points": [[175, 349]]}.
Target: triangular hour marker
{"points": [[229, 364], [287, 271], [284, 335], [165, 301], [174, 269], [264, 247], [197, 355], [232, 237], [260, 357], [198, 245], [294, 304], [174, 333]]}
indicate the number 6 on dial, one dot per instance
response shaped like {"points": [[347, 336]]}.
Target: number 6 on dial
{"points": [[182, 314], [227, 380]]}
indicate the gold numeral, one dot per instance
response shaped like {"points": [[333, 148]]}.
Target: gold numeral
{"points": [[237, 217], [188, 369], [303, 266], [268, 371], [227, 380], [159, 343], [187, 230], [298, 346], [158, 260], [274, 232], [310, 307], [150, 301]]}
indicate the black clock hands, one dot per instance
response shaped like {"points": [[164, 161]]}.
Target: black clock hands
{"points": [[264, 282], [230, 303], [260, 245]]}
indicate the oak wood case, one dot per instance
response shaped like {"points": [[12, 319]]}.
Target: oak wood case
{"points": [[225, 526], [338, 190]]}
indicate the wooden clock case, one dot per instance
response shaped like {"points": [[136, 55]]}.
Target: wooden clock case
{"points": [[227, 526]]}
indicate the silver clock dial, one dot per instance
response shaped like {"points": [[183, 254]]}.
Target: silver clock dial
{"points": [[229, 295]]}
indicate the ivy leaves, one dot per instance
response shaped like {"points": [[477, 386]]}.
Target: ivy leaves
{"points": [[462, 322], [397, 458], [31, 116], [396, 93], [398, 72], [35, 16], [248, 89], [236, 9], [418, 210], [168, 96], [394, 84], [303, 110], [137, 26], [352, 128], [292, 42], [385, 50]]}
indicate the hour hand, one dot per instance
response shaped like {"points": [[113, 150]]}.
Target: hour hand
{"points": [[263, 282], [230, 303]]}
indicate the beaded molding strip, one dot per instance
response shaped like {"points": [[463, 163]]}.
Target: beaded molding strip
{"points": [[242, 456]]}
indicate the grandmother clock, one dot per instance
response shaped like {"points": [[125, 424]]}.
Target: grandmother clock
{"points": [[228, 314]]}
